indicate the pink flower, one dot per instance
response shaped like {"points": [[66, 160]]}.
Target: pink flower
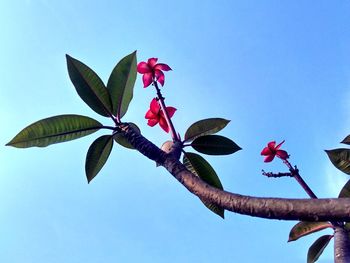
{"points": [[272, 150], [152, 71], [156, 115]]}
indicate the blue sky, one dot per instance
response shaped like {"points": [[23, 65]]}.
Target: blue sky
{"points": [[277, 70]]}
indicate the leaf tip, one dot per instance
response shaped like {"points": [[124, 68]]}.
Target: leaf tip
{"points": [[88, 177], [346, 140], [13, 144]]}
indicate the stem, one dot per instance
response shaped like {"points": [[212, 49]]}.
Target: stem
{"points": [[295, 172], [116, 119], [109, 128], [276, 175], [174, 135]]}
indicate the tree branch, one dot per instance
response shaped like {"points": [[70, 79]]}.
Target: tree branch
{"points": [[332, 209], [341, 245]]}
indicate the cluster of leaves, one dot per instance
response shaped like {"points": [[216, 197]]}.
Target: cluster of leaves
{"points": [[341, 159], [200, 137], [112, 101]]}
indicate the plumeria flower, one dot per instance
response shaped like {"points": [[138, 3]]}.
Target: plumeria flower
{"points": [[151, 71], [272, 150], [155, 115]]}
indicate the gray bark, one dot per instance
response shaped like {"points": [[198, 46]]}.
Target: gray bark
{"points": [[341, 245]]}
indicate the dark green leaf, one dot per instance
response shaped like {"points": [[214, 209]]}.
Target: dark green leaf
{"points": [[89, 87], [317, 248], [121, 84], [200, 167], [305, 228], [55, 129], [97, 155], [347, 227], [215, 145], [214, 208], [340, 159], [346, 140], [120, 139], [345, 191], [205, 127]]}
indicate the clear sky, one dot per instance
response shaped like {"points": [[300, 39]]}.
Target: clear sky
{"points": [[277, 69]]}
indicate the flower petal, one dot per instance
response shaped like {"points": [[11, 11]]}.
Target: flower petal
{"points": [[152, 62], [170, 111], [271, 145], [269, 158], [147, 79], [162, 66], [154, 106], [152, 122], [282, 154], [159, 76], [266, 151], [143, 68], [163, 124], [279, 145], [150, 115]]}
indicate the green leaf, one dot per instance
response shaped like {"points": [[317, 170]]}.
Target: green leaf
{"points": [[345, 191], [121, 84], [347, 227], [317, 248], [97, 155], [305, 228], [340, 159], [215, 208], [89, 87], [346, 140], [55, 129], [215, 145], [201, 168], [120, 139], [205, 127]]}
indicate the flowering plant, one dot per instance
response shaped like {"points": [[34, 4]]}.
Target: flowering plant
{"points": [[112, 100]]}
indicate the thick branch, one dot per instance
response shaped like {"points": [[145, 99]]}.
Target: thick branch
{"points": [[341, 245], [272, 208]]}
